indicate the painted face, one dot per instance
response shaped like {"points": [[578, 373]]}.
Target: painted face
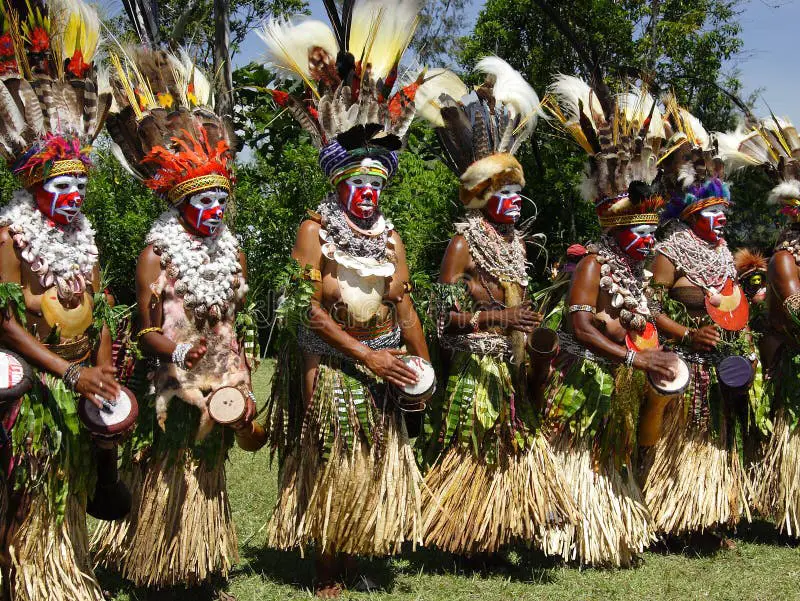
{"points": [[359, 194], [755, 287], [61, 197], [203, 211], [637, 240], [710, 224], [505, 206]]}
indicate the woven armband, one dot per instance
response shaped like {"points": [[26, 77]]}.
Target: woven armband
{"points": [[582, 309], [792, 306], [311, 274]]}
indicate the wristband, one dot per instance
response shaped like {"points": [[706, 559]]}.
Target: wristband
{"points": [[686, 336], [629, 358], [179, 354], [473, 322], [72, 375]]}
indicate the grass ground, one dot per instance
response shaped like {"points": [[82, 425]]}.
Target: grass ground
{"points": [[764, 566]]}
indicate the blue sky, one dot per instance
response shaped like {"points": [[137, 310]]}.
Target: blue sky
{"points": [[770, 60]]}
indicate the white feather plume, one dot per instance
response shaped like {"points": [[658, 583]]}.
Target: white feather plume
{"points": [[695, 131], [195, 75], [570, 92], [512, 91], [288, 44], [788, 190], [437, 83], [736, 151], [381, 30], [636, 105]]}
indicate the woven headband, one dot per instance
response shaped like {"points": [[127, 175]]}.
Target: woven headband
{"points": [[358, 169], [624, 220], [703, 204], [198, 184], [63, 167]]}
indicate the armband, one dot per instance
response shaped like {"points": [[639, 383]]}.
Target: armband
{"points": [[141, 333], [792, 306], [582, 309], [311, 274], [408, 287]]}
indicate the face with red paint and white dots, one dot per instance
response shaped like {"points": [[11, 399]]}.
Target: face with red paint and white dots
{"points": [[359, 194]]}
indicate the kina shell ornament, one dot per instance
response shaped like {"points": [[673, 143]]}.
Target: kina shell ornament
{"points": [[625, 287], [206, 269]]}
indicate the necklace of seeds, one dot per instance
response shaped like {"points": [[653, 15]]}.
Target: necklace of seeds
{"points": [[705, 266], [504, 260]]}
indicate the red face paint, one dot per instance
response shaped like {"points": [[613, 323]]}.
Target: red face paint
{"points": [[61, 197], [359, 194], [203, 212], [637, 240], [710, 224], [506, 205]]}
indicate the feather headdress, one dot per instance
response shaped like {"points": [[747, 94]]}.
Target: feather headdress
{"points": [[164, 130], [50, 108], [773, 144], [479, 131], [350, 70], [623, 142]]}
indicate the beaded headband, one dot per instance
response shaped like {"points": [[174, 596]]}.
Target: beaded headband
{"points": [[198, 184]]}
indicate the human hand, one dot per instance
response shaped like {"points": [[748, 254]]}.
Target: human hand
{"points": [[386, 364], [96, 383]]}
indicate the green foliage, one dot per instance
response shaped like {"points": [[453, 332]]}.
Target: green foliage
{"points": [[12, 301]]}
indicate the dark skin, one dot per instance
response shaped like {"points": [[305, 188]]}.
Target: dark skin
{"points": [[385, 364], [94, 381], [784, 280], [457, 266], [610, 341], [665, 274], [156, 344]]}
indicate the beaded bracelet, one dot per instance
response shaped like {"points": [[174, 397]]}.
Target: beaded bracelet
{"points": [[473, 322], [72, 375], [629, 358], [179, 354], [582, 308]]}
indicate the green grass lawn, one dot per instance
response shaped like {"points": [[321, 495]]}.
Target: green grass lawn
{"points": [[763, 566]]}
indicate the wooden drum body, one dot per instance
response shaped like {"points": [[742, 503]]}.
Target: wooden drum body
{"points": [[660, 392]]}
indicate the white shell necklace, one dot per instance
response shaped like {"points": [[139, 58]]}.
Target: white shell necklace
{"points": [[624, 280], [505, 260], [206, 269], [60, 255]]}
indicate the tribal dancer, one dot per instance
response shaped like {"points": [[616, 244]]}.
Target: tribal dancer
{"points": [[496, 480], [349, 483], [191, 287], [775, 145], [608, 338], [49, 272], [695, 478]]}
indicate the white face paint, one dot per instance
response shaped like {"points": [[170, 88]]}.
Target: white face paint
{"points": [[68, 193], [206, 209], [717, 219], [363, 194]]}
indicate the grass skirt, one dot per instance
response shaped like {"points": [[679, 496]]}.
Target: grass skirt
{"points": [[778, 488], [476, 507], [694, 480], [615, 524], [365, 500], [50, 559], [179, 531]]}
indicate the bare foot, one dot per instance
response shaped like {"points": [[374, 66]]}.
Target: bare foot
{"points": [[727, 544], [328, 590]]}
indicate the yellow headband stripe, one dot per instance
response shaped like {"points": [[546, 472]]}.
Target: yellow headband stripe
{"points": [[703, 204], [63, 167], [375, 169], [624, 220], [198, 184]]}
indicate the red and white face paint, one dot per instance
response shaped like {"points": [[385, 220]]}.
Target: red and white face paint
{"points": [[505, 206], [359, 194], [61, 197], [637, 240], [203, 212], [710, 223]]}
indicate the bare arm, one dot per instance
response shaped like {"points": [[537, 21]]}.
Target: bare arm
{"points": [[410, 325], [705, 338], [307, 252], [92, 380], [585, 290], [455, 263], [783, 275], [103, 355]]}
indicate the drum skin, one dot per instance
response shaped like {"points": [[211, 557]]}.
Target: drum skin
{"points": [[227, 405], [111, 426], [16, 377], [735, 373], [413, 398], [659, 395]]}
